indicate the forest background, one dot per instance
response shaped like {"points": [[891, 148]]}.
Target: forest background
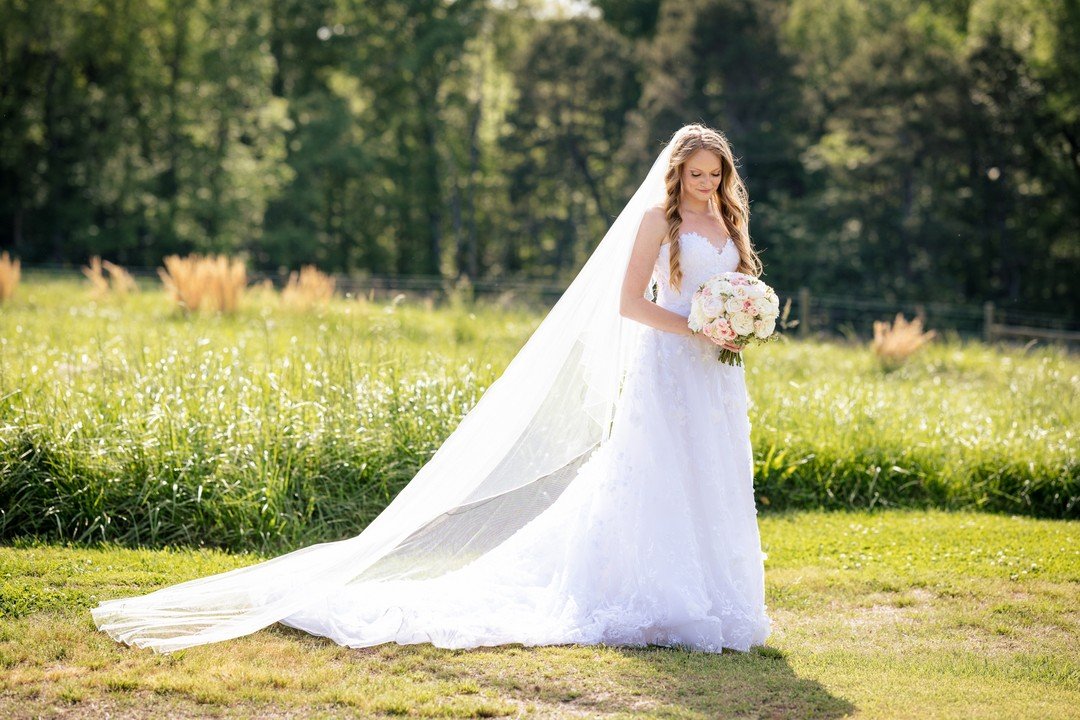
{"points": [[901, 149]]}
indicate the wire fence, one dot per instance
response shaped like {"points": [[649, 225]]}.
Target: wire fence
{"points": [[855, 317], [817, 314]]}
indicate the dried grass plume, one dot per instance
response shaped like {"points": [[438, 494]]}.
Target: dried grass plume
{"points": [[119, 281], [193, 282], [308, 287], [9, 276], [894, 343]]}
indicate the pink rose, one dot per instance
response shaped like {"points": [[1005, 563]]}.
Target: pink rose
{"points": [[710, 329], [724, 331]]}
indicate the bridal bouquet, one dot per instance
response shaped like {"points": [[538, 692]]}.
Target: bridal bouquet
{"points": [[736, 309]]}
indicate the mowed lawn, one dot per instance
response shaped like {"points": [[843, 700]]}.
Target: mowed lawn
{"points": [[889, 614]]}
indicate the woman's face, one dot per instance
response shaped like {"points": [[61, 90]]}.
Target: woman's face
{"points": [[701, 174]]}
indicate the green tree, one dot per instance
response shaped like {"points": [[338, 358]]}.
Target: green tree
{"points": [[722, 63], [576, 83]]}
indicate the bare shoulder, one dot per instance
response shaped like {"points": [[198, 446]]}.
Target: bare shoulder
{"points": [[656, 213], [654, 223]]}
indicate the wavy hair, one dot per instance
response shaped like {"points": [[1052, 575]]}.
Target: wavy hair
{"points": [[731, 197]]}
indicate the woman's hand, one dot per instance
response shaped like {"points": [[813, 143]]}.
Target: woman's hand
{"points": [[726, 346]]}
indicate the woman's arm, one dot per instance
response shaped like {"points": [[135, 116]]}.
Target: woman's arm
{"points": [[633, 303]]}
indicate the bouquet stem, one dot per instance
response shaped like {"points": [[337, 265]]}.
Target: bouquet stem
{"points": [[730, 357]]}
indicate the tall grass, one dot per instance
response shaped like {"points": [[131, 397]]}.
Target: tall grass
{"points": [[268, 429]]}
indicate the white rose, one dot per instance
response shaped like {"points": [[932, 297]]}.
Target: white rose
{"points": [[713, 306], [723, 286], [755, 290], [740, 292], [764, 328], [733, 305], [697, 317], [742, 323], [762, 306]]}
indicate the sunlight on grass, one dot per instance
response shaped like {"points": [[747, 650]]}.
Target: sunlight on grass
{"points": [[123, 419], [900, 613]]}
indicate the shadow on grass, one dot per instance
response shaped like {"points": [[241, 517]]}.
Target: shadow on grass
{"points": [[655, 680]]}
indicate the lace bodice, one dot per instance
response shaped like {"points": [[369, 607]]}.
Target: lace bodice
{"points": [[699, 260]]}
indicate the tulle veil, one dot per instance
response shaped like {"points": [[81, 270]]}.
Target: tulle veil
{"points": [[508, 460]]}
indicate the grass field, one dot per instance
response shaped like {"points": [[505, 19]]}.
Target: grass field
{"points": [[123, 420], [884, 614], [920, 525]]}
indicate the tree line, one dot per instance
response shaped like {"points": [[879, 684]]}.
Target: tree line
{"points": [[899, 148]]}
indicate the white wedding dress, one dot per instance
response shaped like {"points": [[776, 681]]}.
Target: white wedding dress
{"points": [[654, 541]]}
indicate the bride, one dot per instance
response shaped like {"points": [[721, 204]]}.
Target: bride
{"points": [[600, 491]]}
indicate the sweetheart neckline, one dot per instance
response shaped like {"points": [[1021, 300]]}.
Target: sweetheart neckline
{"points": [[719, 251]]}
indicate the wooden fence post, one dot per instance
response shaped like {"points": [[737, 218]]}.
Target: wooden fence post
{"points": [[988, 321], [804, 312]]}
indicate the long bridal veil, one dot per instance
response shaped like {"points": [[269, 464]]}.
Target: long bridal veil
{"points": [[508, 460]]}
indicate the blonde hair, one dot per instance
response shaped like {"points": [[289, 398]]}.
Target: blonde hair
{"points": [[731, 197]]}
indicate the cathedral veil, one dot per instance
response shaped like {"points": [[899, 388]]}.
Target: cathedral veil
{"points": [[508, 460]]}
